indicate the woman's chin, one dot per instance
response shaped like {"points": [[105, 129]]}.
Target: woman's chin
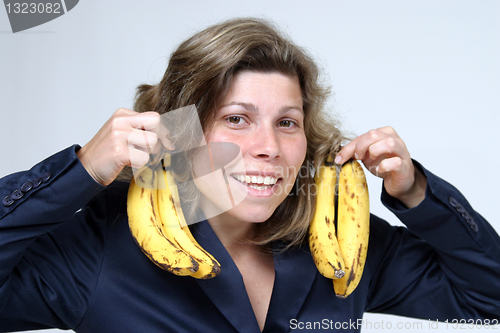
{"points": [[248, 214]]}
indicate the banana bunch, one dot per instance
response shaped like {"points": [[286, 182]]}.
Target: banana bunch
{"points": [[158, 225], [339, 231]]}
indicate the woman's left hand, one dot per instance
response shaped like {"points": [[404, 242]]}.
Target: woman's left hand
{"points": [[385, 155]]}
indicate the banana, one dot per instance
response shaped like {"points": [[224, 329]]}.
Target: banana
{"points": [[353, 226], [174, 226], [143, 216], [322, 236]]}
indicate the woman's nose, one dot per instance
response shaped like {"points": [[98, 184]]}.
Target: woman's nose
{"points": [[265, 143]]}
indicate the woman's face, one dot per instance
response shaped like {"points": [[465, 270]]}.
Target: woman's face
{"points": [[262, 114]]}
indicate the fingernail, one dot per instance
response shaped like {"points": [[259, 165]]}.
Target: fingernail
{"points": [[338, 159], [169, 145]]}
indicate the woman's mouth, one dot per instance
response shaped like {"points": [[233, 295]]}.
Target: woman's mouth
{"points": [[260, 183]]}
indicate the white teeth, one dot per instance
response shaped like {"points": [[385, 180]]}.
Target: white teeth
{"points": [[255, 181], [260, 188]]}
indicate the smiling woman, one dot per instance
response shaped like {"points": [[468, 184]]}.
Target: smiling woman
{"points": [[262, 114], [71, 262], [212, 70]]}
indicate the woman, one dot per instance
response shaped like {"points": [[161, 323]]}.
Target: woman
{"points": [[256, 89]]}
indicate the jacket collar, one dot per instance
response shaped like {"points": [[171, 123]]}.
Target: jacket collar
{"points": [[227, 290]]}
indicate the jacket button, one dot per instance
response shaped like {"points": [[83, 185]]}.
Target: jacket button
{"points": [[7, 201], [17, 194], [36, 182], [458, 206], [471, 222], [453, 202], [46, 177], [26, 187]]}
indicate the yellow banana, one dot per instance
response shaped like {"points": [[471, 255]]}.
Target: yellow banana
{"points": [[143, 218], [174, 227], [353, 225], [322, 236]]}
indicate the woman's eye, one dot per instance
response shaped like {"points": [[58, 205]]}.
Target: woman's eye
{"points": [[286, 123], [235, 120]]}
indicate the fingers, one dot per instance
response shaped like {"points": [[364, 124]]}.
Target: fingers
{"points": [[385, 155], [142, 140], [144, 120], [138, 158], [382, 151], [127, 138], [388, 146], [372, 146], [163, 135], [147, 138], [151, 122], [393, 164]]}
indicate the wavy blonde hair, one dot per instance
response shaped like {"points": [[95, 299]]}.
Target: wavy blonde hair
{"points": [[200, 72]]}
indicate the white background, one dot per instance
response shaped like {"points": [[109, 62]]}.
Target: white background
{"points": [[428, 68]]}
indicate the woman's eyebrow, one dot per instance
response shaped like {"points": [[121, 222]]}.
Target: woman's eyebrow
{"points": [[248, 106], [253, 108], [284, 109]]}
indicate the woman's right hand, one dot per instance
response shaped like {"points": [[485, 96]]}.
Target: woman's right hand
{"points": [[127, 138]]}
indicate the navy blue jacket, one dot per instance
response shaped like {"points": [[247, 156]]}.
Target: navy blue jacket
{"points": [[68, 260]]}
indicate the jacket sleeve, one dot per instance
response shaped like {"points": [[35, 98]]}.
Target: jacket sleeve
{"points": [[41, 285], [444, 266]]}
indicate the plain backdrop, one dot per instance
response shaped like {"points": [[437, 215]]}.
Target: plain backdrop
{"points": [[428, 68]]}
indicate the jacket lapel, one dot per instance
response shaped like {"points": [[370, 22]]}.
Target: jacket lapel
{"points": [[227, 290], [294, 276]]}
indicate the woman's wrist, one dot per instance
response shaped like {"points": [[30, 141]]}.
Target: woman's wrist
{"points": [[416, 194]]}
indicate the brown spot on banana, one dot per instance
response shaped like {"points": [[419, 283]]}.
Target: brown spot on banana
{"points": [[352, 274], [195, 267], [360, 252], [215, 267]]}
